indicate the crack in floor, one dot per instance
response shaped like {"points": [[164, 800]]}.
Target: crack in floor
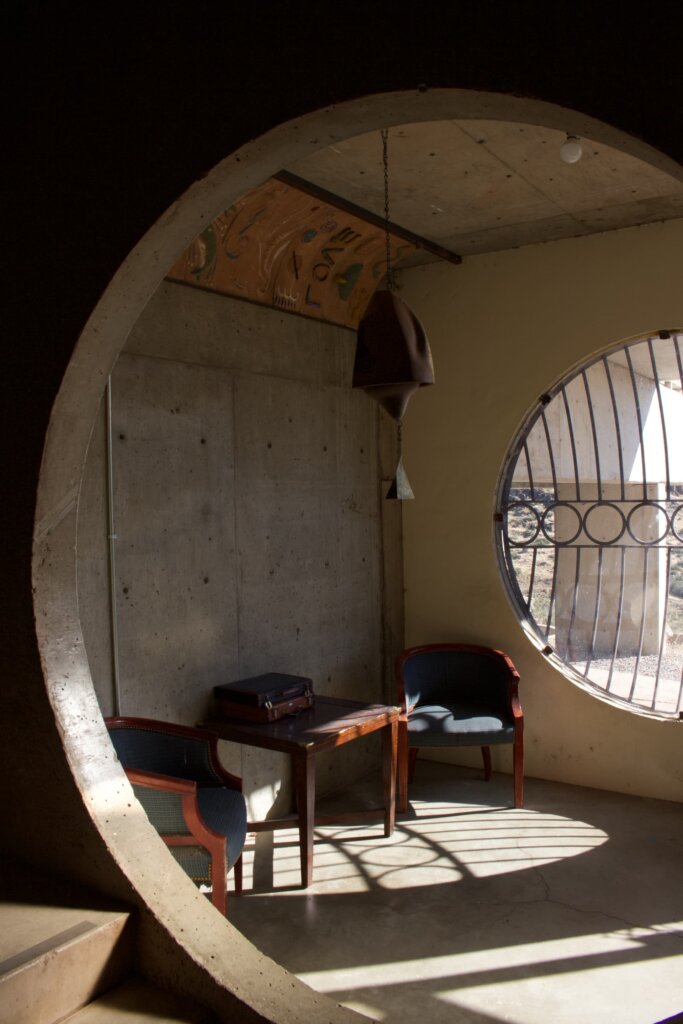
{"points": [[674, 932]]}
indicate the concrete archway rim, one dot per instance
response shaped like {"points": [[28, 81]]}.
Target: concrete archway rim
{"points": [[132, 843]]}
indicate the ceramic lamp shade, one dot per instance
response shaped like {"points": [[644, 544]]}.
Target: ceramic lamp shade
{"points": [[393, 358]]}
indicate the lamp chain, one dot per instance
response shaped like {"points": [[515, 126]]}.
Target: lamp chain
{"points": [[385, 164]]}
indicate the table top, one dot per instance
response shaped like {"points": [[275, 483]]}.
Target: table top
{"points": [[330, 722]]}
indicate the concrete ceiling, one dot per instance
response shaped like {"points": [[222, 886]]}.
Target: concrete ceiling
{"points": [[482, 186]]}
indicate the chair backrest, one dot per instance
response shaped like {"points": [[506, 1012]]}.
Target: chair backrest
{"points": [[466, 673], [163, 748]]}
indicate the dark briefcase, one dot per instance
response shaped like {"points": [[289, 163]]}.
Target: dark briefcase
{"points": [[264, 698]]}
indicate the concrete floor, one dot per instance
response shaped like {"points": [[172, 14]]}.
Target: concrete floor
{"points": [[568, 911]]}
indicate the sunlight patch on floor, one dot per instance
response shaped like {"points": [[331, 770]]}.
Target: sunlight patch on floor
{"points": [[595, 988], [476, 912], [428, 850], [579, 950]]}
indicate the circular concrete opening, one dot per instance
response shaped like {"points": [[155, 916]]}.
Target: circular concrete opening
{"points": [[597, 585], [158, 882]]}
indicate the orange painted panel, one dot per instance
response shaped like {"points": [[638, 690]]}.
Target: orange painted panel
{"points": [[281, 247]]}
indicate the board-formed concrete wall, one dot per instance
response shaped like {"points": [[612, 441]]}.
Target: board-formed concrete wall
{"points": [[503, 328], [248, 521]]}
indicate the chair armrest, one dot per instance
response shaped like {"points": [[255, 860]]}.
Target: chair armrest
{"points": [[509, 664], [513, 683], [155, 780], [515, 706]]}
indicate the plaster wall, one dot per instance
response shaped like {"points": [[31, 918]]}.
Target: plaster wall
{"points": [[503, 328], [248, 523]]}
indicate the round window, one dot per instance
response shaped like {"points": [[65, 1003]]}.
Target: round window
{"points": [[590, 525]]}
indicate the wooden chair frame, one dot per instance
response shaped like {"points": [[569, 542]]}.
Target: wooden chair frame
{"points": [[200, 833]]}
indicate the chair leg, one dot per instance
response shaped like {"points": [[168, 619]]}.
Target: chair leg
{"points": [[412, 759], [219, 884], [518, 763], [402, 766], [486, 754], [238, 876]]}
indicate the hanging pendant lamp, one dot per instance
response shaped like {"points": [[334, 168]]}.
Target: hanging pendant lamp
{"points": [[393, 358]]}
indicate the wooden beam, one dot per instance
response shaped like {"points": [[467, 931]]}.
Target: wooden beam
{"points": [[371, 218]]}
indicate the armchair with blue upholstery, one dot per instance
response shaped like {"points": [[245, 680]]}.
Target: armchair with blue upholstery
{"points": [[193, 802], [457, 695]]}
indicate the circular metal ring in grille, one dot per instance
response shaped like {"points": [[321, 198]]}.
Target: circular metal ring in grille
{"points": [[609, 536], [677, 523], [590, 525], [549, 519]]}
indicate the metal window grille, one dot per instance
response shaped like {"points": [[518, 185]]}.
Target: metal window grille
{"points": [[590, 525]]}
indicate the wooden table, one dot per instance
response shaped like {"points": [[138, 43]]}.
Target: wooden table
{"points": [[328, 724]]}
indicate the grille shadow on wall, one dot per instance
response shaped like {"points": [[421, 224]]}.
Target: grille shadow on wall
{"points": [[589, 525]]}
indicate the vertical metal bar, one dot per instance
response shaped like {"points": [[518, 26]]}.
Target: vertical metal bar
{"points": [[661, 416], [553, 473], [532, 576], [594, 432], [675, 338], [677, 350], [572, 617], [596, 613], [678, 706], [551, 454], [510, 565], [662, 636], [641, 637], [620, 612], [553, 587], [573, 444], [639, 418], [529, 473], [615, 410]]}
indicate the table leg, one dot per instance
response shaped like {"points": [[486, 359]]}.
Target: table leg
{"points": [[389, 752], [303, 766]]}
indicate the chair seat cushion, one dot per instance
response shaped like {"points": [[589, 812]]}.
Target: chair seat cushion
{"points": [[225, 811], [458, 725]]}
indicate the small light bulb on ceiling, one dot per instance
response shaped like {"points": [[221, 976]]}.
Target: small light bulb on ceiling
{"points": [[571, 149]]}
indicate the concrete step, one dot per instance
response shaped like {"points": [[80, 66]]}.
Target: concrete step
{"points": [[59, 948], [137, 1002]]}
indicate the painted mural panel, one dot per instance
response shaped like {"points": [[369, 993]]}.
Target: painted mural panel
{"points": [[283, 248]]}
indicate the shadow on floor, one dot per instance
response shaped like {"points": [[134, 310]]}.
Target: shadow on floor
{"points": [[565, 910]]}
